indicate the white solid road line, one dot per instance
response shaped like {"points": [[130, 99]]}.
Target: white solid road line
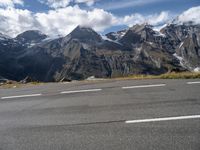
{"points": [[21, 96], [163, 119], [197, 82], [81, 91], [144, 86]]}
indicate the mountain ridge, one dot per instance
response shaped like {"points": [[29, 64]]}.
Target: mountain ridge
{"points": [[84, 53]]}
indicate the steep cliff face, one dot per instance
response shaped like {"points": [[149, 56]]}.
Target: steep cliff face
{"points": [[185, 39], [189, 52], [9, 51]]}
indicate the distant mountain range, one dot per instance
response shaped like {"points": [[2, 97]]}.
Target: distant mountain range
{"points": [[84, 53]]}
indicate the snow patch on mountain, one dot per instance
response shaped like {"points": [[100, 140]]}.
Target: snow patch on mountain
{"points": [[180, 59], [158, 33], [157, 30], [108, 39], [119, 35], [116, 36], [197, 69], [181, 44]]}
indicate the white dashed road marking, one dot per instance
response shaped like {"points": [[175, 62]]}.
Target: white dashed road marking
{"points": [[144, 86], [163, 119], [81, 91], [21, 96], [197, 82], [96, 90]]}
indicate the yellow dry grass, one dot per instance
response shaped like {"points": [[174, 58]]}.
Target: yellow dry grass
{"points": [[172, 75]]}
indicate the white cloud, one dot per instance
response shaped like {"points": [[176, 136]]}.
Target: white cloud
{"points": [[64, 3], [20, 2], [64, 20], [10, 3], [88, 2], [158, 19], [56, 3], [55, 22], [192, 14], [14, 21], [155, 19], [132, 19]]}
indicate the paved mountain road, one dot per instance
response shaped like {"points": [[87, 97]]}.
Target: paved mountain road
{"points": [[118, 115]]}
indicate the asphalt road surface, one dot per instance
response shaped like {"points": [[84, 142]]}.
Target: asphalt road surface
{"points": [[105, 115]]}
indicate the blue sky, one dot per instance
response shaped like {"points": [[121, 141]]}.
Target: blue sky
{"points": [[139, 6], [61, 16], [133, 6], [146, 6]]}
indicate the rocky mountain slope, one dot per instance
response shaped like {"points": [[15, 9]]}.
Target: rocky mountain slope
{"points": [[31, 37], [185, 39], [84, 53]]}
